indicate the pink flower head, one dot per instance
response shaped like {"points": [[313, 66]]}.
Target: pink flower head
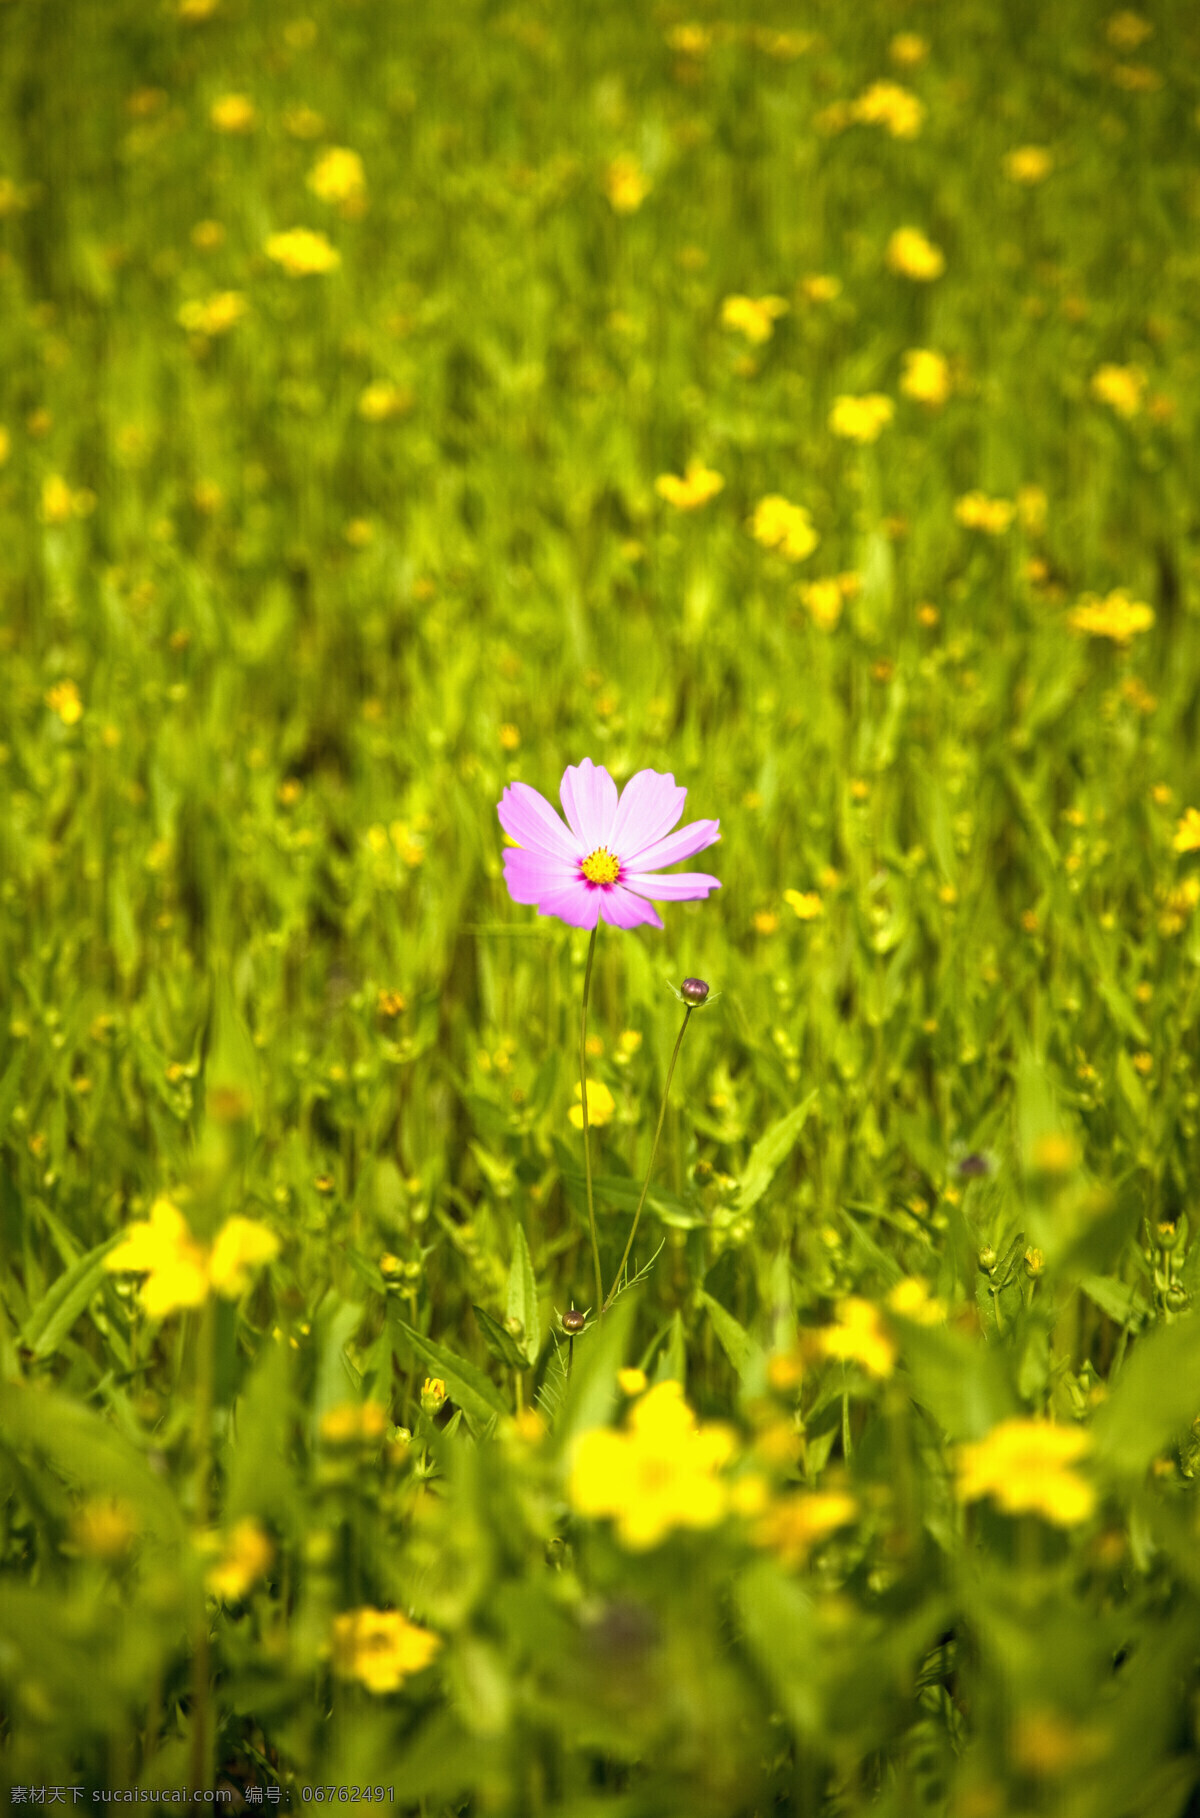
{"points": [[603, 863]]}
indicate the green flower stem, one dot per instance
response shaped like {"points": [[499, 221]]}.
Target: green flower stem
{"points": [[587, 1147], [650, 1170], [205, 1349]]}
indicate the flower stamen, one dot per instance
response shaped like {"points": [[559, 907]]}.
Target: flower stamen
{"points": [[600, 867]]}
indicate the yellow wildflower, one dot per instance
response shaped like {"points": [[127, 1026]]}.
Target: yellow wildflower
{"points": [[1187, 834], [302, 252], [926, 377], [354, 1422], [913, 256], [242, 1246], [433, 1395], [233, 114], [63, 699], [794, 1525], [820, 287], [887, 104], [754, 317], [247, 1557], [631, 1382], [104, 1528], [861, 1337], [600, 1105], [1116, 617], [660, 1473], [824, 601], [380, 1648], [690, 40], [626, 184], [1028, 164], [628, 1043], [778, 524], [861, 419], [5, 445], [908, 49], [1025, 1466], [381, 400], [977, 512], [698, 485], [56, 499], [193, 11], [806, 904], [338, 176], [214, 315], [912, 1300], [766, 922], [1120, 387]]}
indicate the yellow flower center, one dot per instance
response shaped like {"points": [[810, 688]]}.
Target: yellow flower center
{"points": [[600, 867]]}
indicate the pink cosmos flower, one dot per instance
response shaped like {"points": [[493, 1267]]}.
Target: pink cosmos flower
{"points": [[603, 863]]}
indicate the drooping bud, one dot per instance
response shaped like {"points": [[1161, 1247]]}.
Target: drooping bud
{"points": [[694, 991]]}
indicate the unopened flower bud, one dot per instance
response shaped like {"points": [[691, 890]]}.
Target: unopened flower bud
{"points": [[1176, 1298], [694, 991], [514, 1327], [573, 1323], [987, 1259], [433, 1395], [1166, 1236], [1035, 1263]]}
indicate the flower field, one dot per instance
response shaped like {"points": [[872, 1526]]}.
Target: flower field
{"points": [[599, 887]]}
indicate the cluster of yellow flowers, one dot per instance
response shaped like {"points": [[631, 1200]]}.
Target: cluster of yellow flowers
{"points": [[824, 599], [302, 252], [1025, 1467], [926, 377], [246, 1558], [887, 104], [214, 315], [1122, 388], [914, 256], [1116, 617], [63, 699], [977, 511], [754, 317], [179, 1270], [861, 419], [780, 525], [698, 485]]}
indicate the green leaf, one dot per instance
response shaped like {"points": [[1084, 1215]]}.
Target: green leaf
{"points": [[1152, 1399], [502, 1345], [744, 1353], [10, 1085], [1116, 1298], [672, 1361], [778, 1622], [465, 1384], [599, 1354], [770, 1150], [522, 1295], [961, 1383], [64, 1301]]}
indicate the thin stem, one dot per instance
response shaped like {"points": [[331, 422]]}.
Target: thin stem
{"points": [[653, 1152], [205, 1349], [587, 1147]]}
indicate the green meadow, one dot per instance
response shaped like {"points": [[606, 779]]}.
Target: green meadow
{"points": [[401, 402]]}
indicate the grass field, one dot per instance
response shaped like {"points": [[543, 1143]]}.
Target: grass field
{"points": [[398, 403]]}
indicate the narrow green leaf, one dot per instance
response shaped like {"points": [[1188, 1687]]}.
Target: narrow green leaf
{"points": [[1116, 1298], [599, 1354], [1152, 1400], [770, 1150], [744, 1353], [10, 1085], [502, 1345], [465, 1384], [64, 1301], [522, 1295]]}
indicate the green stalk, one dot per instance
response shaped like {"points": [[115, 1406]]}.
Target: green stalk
{"points": [[587, 1147], [650, 1170], [205, 1347]]}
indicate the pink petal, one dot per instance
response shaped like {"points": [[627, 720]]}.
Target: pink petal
{"points": [[530, 876], [577, 904], [650, 806], [677, 887], [684, 843], [621, 909], [589, 799], [530, 820]]}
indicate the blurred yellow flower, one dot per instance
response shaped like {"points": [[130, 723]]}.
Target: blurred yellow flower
{"points": [[354, 1422], [780, 525], [626, 184], [63, 699], [912, 1300], [1126, 30], [754, 317], [302, 252], [104, 1528], [1028, 164], [1187, 833], [908, 49], [861, 419], [914, 256], [247, 1557], [233, 114], [659, 1474], [193, 11], [766, 922], [631, 1382], [861, 1337], [208, 235], [794, 1525], [338, 176], [1032, 505], [690, 40], [1116, 617], [1120, 387], [977, 512], [821, 287], [824, 602], [180, 1271], [56, 499], [380, 1648], [698, 485], [214, 315], [887, 104], [926, 376], [5, 445], [600, 1105], [806, 904], [1024, 1466], [381, 400]]}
